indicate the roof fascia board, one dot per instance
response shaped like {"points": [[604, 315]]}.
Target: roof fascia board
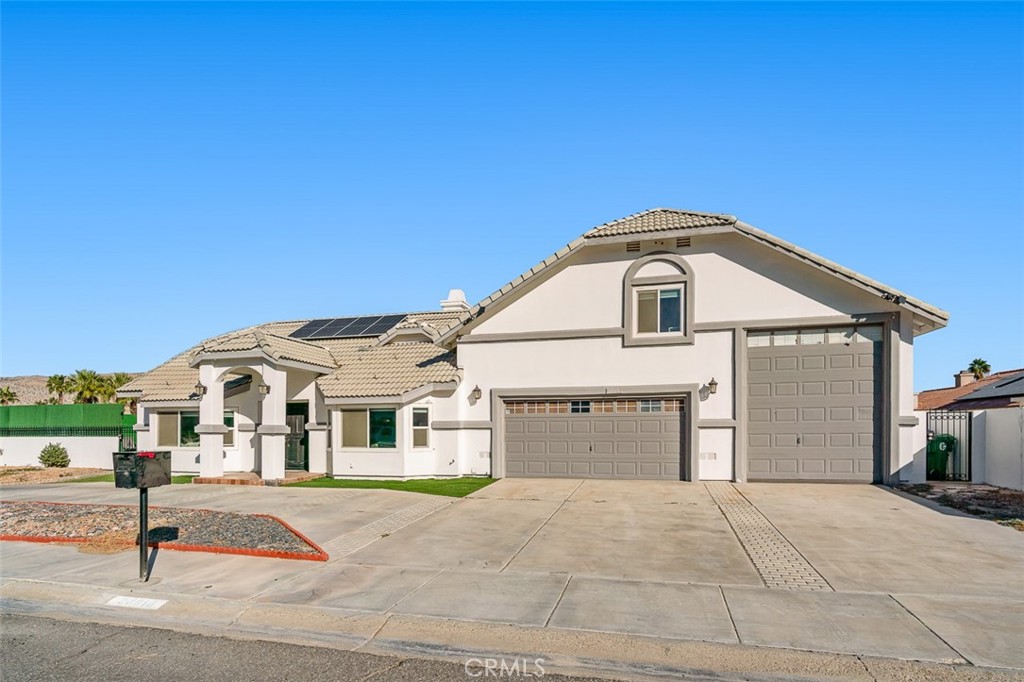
{"points": [[157, 404], [938, 316]]}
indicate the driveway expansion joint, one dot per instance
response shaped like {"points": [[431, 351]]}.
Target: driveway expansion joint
{"points": [[776, 560]]}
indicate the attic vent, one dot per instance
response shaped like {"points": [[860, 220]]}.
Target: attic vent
{"points": [[632, 246], [682, 242]]}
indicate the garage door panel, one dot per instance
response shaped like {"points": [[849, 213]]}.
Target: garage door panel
{"points": [[601, 444], [827, 428]]}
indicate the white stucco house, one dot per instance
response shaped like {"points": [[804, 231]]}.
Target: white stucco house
{"points": [[668, 344]]}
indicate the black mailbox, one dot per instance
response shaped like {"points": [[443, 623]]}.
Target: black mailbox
{"points": [[142, 469]]}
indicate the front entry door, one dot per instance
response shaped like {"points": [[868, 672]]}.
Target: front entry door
{"points": [[295, 454]]}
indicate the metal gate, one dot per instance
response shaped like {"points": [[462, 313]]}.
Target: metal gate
{"points": [[948, 451]]}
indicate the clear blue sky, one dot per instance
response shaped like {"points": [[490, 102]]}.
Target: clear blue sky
{"points": [[173, 171]]}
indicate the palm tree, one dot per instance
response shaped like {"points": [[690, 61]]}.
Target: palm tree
{"points": [[87, 386], [979, 368], [58, 384], [8, 396]]}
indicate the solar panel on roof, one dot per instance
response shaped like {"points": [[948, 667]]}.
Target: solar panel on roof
{"points": [[305, 330], [347, 327], [385, 323]]}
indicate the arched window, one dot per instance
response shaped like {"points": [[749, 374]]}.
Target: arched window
{"points": [[658, 301]]}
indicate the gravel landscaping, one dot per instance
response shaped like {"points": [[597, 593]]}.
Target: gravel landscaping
{"points": [[105, 528], [29, 475], [1002, 505]]}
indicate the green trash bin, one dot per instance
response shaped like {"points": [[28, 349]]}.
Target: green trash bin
{"points": [[940, 449]]}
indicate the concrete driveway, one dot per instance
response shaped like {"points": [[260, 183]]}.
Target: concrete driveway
{"points": [[835, 568]]}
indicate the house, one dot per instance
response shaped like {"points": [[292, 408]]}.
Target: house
{"points": [[985, 417], [998, 390], [668, 344]]}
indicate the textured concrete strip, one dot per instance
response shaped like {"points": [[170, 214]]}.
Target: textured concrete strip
{"points": [[843, 623], [987, 631], [776, 560], [361, 537]]}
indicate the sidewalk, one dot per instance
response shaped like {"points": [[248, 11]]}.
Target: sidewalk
{"points": [[579, 623]]}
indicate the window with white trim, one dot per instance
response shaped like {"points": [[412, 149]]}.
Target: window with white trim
{"points": [[420, 427], [659, 311], [368, 428], [178, 429]]}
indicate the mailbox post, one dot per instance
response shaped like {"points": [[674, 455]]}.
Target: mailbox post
{"points": [[142, 470]]}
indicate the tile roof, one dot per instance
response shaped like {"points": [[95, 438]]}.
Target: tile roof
{"points": [[958, 397], [378, 371], [659, 220], [355, 367], [273, 345]]}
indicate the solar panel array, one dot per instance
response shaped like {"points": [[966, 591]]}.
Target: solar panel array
{"points": [[346, 327]]}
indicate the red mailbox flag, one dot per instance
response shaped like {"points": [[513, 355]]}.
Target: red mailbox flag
{"points": [[150, 455]]}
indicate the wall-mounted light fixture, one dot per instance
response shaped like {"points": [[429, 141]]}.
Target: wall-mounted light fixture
{"points": [[477, 393], [712, 386], [264, 389], [200, 388]]}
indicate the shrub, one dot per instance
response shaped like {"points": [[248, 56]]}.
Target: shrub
{"points": [[54, 455]]}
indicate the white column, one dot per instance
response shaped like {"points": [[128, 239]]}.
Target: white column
{"points": [[317, 431], [211, 427], [273, 429]]}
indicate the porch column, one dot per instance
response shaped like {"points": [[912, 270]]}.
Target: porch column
{"points": [[211, 427], [317, 431], [273, 429]]}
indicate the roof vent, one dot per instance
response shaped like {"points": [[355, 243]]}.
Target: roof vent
{"points": [[632, 247], [456, 301], [682, 242]]}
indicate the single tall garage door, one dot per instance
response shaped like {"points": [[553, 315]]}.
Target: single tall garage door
{"points": [[813, 407], [594, 438]]}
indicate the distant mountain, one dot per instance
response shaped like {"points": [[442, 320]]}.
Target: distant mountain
{"points": [[31, 389]]}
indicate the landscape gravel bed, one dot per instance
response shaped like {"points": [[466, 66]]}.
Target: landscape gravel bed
{"points": [[170, 528]]}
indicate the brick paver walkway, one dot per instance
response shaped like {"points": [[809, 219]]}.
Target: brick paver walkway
{"points": [[776, 560]]}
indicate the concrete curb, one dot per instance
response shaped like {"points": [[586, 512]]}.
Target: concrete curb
{"points": [[563, 650]]}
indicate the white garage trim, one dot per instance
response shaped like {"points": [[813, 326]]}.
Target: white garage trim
{"points": [[689, 392]]}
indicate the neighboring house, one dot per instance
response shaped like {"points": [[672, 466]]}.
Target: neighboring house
{"points": [[668, 344], [989, 413], [967, 393]]}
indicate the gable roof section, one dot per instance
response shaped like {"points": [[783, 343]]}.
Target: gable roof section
{"points": [[669, 222], [960, 397], [659, 220], [386, 371], [273, 346]]}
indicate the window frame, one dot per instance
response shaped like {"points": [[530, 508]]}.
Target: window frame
{"points": [[633, 285], [232, 430], [366, 421], [425, 429]]}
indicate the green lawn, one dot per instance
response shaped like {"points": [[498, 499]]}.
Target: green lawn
{"points": [[451, 487], [109, 478]]}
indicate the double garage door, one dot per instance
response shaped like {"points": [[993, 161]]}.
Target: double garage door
{"points": [[813, 405], [626, 438]]}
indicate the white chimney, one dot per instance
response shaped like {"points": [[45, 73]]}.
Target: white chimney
{"points": [[456, 301]]}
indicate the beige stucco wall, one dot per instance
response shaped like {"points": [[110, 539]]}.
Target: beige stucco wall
{"points": [[734, 279]]}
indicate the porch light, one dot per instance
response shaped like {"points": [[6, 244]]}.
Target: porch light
{"points": [[200, 388], [264, 389], [712, 386], [477, 393]]}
